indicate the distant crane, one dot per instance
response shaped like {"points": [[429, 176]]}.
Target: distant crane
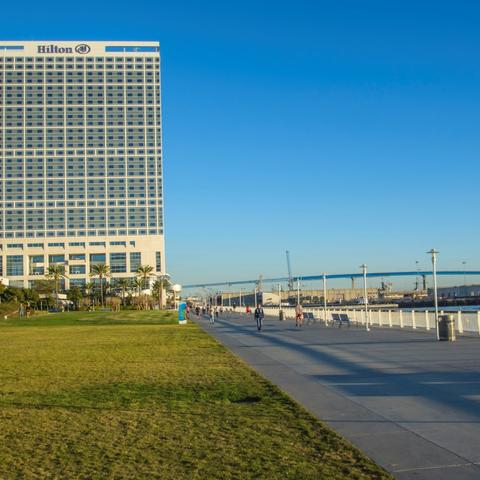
{"points": [[289, 268]]}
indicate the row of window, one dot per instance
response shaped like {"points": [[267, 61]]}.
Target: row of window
{"points": [[139, 143], [72, 256], [71, 193], [36, 263], [60, 89], [79, 60], [79, 233], [67, 78], [48, 144], [91, 203], [97, 152], [116, 110]]}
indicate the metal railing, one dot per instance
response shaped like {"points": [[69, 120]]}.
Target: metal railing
{"points": [[466, 322]]}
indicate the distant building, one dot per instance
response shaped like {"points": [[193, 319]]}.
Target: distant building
{"points": [[456, 292], [81, 159], [265, 298], [334, 295]]}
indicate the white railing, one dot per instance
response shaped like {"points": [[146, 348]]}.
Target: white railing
{"points": [[466, 322]]}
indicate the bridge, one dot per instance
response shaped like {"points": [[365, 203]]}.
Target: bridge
{"points": [[336, 276]]}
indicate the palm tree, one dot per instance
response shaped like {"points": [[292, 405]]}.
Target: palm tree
{"points": [[158, 288], [56, 272], [144, 272], [123, 284], [101, 271], [137, 285], [89, 288]]}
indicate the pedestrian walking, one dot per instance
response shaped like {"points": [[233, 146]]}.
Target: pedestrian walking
{"points": [[211, 316], [298, 315], [259, 316]]}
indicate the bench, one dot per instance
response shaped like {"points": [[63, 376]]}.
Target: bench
{"points": [[309, 318], [340, 318]]}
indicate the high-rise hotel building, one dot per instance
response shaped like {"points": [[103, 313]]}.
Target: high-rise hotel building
{"points": [[81, 159]]}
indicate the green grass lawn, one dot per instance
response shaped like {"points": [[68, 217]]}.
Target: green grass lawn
{"points": [[133, 395]]}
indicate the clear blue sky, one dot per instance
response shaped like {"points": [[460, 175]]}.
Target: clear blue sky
{"points": [[345, 131]]}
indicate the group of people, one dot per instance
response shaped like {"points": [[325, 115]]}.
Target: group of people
{"points": [[210, 311], [213, 312]]}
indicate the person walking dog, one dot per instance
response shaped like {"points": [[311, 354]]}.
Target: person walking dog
{"points": [[259, 316]]}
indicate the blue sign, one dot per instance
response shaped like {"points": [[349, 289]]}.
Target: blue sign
{"points": [[182, 312]]}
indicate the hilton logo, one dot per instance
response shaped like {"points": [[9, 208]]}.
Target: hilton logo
{"points": [[82, 48]]}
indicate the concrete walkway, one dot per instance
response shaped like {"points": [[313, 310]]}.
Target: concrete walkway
{"points": [[409, 402]]}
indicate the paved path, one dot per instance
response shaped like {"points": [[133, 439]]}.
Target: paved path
{"points": [[409, 402]]}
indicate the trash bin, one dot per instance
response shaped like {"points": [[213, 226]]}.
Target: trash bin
{"points": [[446, 328], [280, 315]]}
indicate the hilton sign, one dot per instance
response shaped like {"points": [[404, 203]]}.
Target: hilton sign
{"points": [[82, 48]]}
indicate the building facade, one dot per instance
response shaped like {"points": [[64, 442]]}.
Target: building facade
{"points": [[81, 159]]}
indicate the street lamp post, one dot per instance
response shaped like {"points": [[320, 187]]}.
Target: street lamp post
{"points": [[416, 278], [240, 297], [325, 298], [298, 291], [464, 276], [434, 254], [255, 296], [365, 294]]}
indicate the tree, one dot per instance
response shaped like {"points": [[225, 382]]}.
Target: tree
{"points": [[31, 297], [13, 294], [45, 287], [56, 272], [144, 272], [101, 271], [89, 288], [158, 289], [75, 295], [123, 284], [2, 289], [137, 285]]}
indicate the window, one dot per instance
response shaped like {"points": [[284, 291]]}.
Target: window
{"points": [[56, 259], [96, 258], [77, 269], [77, 256], [14, 265], [135, 261], [118, 262], [158, 261], [35, 265]]}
